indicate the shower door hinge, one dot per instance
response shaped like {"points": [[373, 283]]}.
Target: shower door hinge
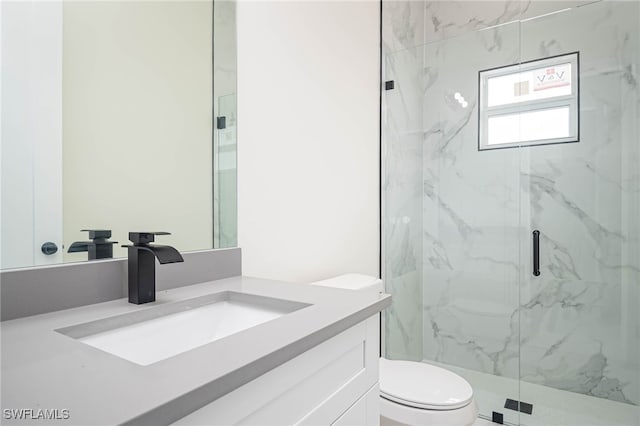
{"points": [[523, 407], [221, 122], [497, 418], [389, 85]]}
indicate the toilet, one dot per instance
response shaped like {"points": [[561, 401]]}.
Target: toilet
{"points": [[414, 393]]}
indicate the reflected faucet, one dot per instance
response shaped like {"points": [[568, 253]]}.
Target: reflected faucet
{"points": [[142, 265], [99, 247]]}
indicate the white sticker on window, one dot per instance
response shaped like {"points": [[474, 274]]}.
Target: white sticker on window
{"points": [[552, 77]]}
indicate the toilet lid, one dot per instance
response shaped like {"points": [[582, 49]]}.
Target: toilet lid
{"points": [[421, 385]]}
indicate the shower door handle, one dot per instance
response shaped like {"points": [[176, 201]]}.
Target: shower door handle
{"points": [[536, 253]]}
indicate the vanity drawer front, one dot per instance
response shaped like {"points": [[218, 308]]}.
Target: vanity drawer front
{"points": [[365, 412], [316, 387]]}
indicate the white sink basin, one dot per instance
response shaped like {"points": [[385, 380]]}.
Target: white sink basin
{"points": [[168, 330]]}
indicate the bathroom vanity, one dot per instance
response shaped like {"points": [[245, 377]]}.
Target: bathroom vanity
{"points": [[265, 352]]}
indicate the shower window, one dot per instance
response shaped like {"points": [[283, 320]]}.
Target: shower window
{"points": [[532, 103]]}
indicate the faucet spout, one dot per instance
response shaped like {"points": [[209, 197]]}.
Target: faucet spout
{"points": [[78, 246], [166, 254], [99, 247], [141, 265]]}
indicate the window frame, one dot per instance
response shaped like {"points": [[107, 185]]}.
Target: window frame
{"points": [[572, 101]]}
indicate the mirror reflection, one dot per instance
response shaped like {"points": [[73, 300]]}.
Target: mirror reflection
{"points": [[116, 118]]}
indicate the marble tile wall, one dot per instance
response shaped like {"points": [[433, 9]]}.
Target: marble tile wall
{"points": [[577, 326], [449, 18], [579, 319]]}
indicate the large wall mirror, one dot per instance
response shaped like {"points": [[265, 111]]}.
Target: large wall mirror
{"points": [[116, 115]]}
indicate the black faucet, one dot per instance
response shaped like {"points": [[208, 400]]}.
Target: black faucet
{"points": [[142, 265], [99, 247]]}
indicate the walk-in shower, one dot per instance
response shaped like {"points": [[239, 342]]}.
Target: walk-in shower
{"points": [[511, 204]]}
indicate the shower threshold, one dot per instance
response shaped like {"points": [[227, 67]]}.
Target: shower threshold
{"points": [[553, 407]]}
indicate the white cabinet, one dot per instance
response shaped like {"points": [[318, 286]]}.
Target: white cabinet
{"points": [[334, 383], [365, 412]]}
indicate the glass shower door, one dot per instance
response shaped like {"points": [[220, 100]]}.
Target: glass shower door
{"points": [[579, 316]]}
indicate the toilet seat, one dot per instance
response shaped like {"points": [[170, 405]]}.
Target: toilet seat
{"points": [[414, 393], [423, 386]]}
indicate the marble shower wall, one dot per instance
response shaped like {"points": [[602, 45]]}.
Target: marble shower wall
{"points": [[580, 318], [576, 327], [450, 18]]}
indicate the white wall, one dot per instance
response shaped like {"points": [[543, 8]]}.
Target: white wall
{"points": [[308, 99]]}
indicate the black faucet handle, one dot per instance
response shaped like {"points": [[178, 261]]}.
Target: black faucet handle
{"points": [[144, 237], [98, 233]]}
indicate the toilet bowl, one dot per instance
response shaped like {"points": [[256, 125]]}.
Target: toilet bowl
{"points": [[415, 393]]}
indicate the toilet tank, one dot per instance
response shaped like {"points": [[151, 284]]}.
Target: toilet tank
{"points": [[359, 282]]}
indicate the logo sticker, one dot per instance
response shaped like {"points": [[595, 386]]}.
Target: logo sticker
{"points": [[552, 77]]}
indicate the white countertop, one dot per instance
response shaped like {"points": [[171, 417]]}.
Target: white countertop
{"points": [[44, 369]]}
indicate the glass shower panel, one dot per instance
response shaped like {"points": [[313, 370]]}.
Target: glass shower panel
{"points": [[225, 228], [403, 141], [470, 223], [452, 219], [579, 339]]}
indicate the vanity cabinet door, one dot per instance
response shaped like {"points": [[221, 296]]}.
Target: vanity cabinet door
{"points": [[365, 412], [314, 388]]}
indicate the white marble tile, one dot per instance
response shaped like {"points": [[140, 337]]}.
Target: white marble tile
{"points": [[402, 24], [551, 407], [451, 18], [576, 319]]}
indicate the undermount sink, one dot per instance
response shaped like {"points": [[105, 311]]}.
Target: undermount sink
{"points": [[151, 335]]}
